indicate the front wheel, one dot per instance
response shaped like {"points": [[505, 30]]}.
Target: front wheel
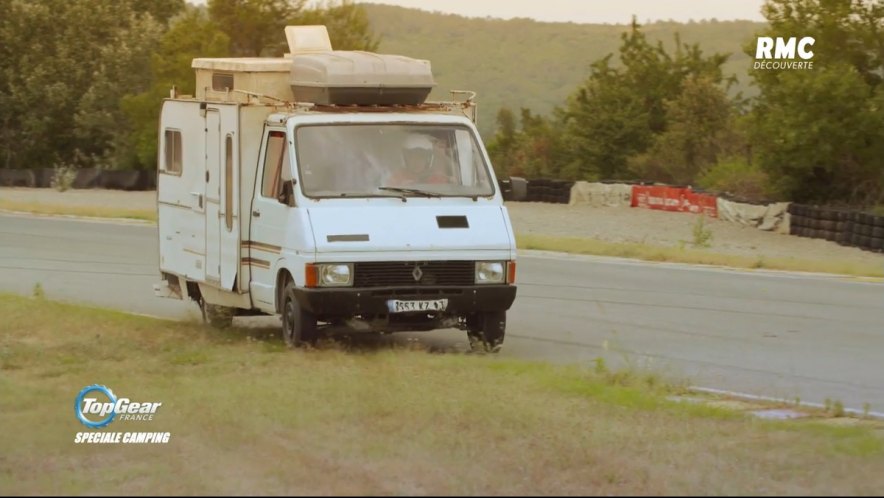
{"points": [[486, 331], [298, 325]]}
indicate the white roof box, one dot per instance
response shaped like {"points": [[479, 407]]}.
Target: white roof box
{"points": [[360, 78]]}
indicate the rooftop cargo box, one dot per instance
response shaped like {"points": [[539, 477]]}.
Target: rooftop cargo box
{"points": [[360, 78]]}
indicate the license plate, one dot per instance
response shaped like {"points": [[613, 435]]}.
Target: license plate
{"points": [[397, 306]]}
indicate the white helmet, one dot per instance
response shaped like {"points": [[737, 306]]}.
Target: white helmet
{"points": [[418, 147]]}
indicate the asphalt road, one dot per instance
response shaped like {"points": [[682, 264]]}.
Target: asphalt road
{"points": [[763, 333]]}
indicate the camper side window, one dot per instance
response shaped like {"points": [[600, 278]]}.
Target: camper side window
{"points": [[275, 165], [173, 152]]}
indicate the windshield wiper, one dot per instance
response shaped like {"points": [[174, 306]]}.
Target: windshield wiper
{"points": [[414, 191], [360, 195]]}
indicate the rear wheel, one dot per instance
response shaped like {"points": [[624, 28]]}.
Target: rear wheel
{"points": [[298, 325], [486, 331]]}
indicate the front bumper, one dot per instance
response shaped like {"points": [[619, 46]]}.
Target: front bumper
{"points": [[349, 302]]}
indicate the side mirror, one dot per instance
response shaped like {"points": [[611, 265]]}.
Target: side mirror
{"points": [[287, 193]]}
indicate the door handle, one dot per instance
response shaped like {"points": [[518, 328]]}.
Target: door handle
{"points": [[256, 213], [199, 197]]}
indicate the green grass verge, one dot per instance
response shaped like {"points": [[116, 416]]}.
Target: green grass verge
{"points": [[691, 256], [248, 416], [90, 211]]}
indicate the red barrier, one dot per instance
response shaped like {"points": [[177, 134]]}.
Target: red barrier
{"points": [[674, 199]]}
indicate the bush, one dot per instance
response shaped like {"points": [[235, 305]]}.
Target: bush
{"points": [[63, 177], [702, 235], [735, 176]]}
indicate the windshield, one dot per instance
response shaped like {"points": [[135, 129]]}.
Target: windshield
{"points": [[390, 160]]}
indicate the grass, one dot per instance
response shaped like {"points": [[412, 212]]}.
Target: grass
{"points": [[691, 256], [90, 211], [248, 416], [695, 255]]}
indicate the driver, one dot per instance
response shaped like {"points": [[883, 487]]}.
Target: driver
{"points": [[418, 158]]}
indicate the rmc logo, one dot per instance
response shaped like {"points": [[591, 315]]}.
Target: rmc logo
{"points": [[779, 53]]}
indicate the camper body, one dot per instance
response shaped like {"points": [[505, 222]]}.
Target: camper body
{"points": [[315, 212]]}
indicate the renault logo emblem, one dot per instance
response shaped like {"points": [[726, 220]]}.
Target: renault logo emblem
{"points": [[417, 274]]}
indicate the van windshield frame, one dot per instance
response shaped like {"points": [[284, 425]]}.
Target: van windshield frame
{"points": [[366, 160]]}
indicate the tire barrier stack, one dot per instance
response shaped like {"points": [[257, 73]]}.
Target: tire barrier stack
{"points": [[847, 228], [86, 178], [547, 190]]}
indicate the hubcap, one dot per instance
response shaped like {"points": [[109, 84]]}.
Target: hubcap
{"points": [[290, 320]]}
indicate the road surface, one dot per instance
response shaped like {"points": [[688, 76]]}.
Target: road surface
{"points": [[763, 333]]}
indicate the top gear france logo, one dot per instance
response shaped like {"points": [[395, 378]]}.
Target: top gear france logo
{"points": [[107, 411]]}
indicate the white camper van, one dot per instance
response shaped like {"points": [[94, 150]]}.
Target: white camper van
{"points": [[323, 187]]}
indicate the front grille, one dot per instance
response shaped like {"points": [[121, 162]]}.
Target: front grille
{"points": [[402, 273], [418, 293]]}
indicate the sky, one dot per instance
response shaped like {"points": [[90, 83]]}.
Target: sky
{"points": [[592, 11]]}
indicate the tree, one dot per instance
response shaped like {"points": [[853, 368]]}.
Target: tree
{"points": [[817, 132], [619, 110], [699, 131], [502, 147], [190, 36], [255, 27], [66, 65], [348, 26]]}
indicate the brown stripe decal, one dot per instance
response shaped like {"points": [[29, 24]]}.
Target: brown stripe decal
{"points": [[260, 263], [260, 246]]}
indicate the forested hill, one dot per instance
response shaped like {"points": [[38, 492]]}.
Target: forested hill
{"points": [[524, 63]]}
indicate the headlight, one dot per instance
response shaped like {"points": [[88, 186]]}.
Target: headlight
{"points": [[335, 275], [490, 272]]}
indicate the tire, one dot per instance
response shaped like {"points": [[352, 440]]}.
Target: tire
{"points": [[811, 212], [486, 331], [878, 233], [856, 239], [879, 221], [877, 244], [218, 317], [298, 325]]}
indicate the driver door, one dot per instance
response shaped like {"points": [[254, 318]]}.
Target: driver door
{"points": [[269, 218]]}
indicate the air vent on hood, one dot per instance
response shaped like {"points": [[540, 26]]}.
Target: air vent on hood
{"points": [[452, 222], [358, 237]]}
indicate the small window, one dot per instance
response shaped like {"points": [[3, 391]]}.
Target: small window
{"points": [[222, 82], [228, 183], [173, 152], [275, 161]]}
